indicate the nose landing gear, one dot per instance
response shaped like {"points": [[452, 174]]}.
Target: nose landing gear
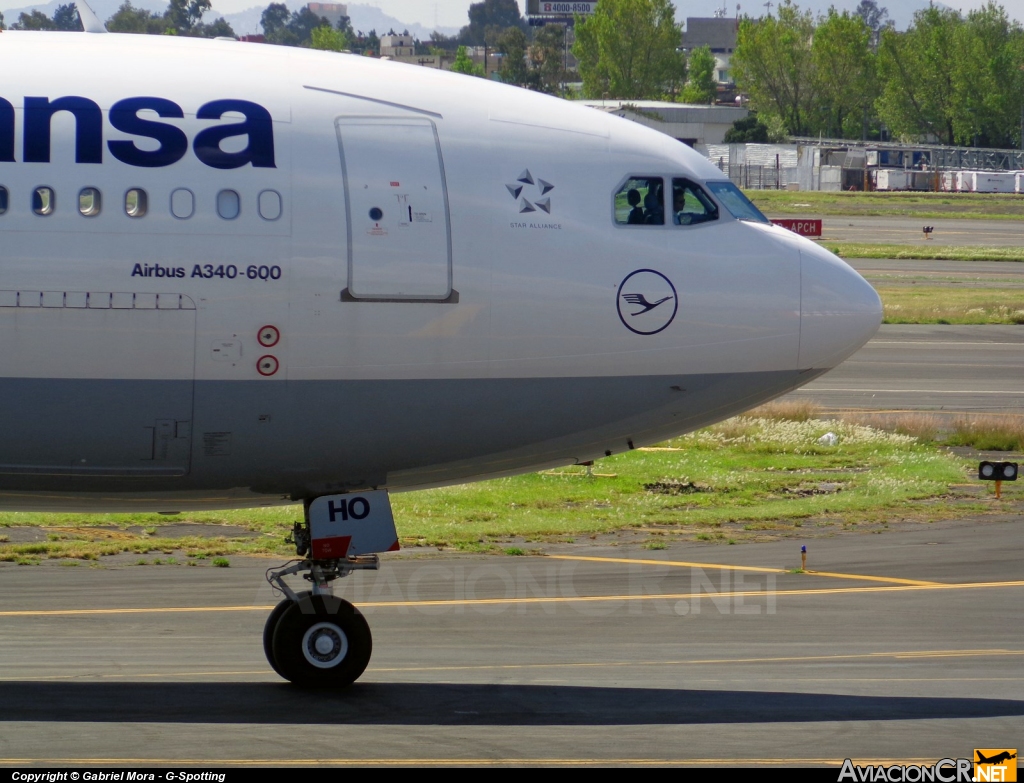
{"points": [[312, 638]]}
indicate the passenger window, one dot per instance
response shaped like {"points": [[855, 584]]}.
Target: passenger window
{"points": [[690, 204], [270, 205], [228, 204], [183, 203], [136, 203], [640, 202], [43, 201], [4, 198], [89, 202]]}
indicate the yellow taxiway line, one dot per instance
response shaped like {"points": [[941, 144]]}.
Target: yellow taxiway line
{"points": [[536, 600], [752, 569]]}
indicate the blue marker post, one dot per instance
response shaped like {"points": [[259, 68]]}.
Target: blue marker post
{"points": [[803, 558]]}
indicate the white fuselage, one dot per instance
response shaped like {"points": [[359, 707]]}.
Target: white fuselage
{"points": [[430, 322]]}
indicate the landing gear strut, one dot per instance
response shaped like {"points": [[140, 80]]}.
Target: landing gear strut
{"points": [[312, 638]]}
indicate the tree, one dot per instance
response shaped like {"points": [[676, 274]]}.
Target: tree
{"points": [[701, 87], [773, 64], [916, 73], [512, 44], [281, 26], [2, 27], [184, 15], [547, 58], [447, 43], [499, 14], [987, 78], [66, 18], [371, 43], [274, 21], [844, 67], [219, 28], [304, 22], [749, 129], [129, 19], [36, 20], [463, 64], [873, 16], [328, 39], [629, 49]]}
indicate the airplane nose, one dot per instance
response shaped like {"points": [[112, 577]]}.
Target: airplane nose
{"points": [[839, 310]]}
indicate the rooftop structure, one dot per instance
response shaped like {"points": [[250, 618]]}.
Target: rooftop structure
{"points": [[691, 124], [395, 46]]}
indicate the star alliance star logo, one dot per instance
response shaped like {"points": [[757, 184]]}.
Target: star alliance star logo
{"points": [[543, 202]]}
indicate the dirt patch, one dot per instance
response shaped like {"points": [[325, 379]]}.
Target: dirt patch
{"points": [[676, 487], [806, 492]]}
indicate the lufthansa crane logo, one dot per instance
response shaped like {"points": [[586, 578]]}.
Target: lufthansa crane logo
{"points": [[647, 301], [518, 191]]}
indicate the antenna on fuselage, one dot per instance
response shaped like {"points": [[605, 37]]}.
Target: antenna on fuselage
{"points": [[90, 21]]}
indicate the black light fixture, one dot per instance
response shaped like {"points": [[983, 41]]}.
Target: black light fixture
{"points": [[997, 471]]}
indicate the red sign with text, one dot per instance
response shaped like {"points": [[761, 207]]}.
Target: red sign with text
{"points": [[803, 227]]}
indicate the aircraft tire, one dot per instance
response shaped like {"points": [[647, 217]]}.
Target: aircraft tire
{"points": [[321, 641], [268, 631]]}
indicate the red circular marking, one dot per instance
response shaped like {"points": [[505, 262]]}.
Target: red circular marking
{"points": [[269, 336], [267, 365]]}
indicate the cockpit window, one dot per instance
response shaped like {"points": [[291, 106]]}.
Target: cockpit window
{"points": [[690, 204], [739, 205], [640, 202]]}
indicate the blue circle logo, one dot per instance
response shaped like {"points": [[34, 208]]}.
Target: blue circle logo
{"points": [[647, 301]]}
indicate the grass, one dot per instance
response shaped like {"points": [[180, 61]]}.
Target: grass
{"points": [[976, 431], [923, 304], [989, 433], [926, 251], [758, 476], [981, 206]]}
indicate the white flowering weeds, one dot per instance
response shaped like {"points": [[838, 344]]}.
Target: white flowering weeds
{"points": [[784, 434]]}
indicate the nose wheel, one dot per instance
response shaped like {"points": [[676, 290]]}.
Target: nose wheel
{"points": [[318, 641], [312, 638]]}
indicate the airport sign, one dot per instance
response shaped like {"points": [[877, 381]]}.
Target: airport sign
{"points": [[554, 9]]}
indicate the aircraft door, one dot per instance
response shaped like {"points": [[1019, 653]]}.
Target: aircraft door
{"points": [[396, 203]]}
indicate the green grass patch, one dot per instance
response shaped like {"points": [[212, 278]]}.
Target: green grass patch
{"points": [[981, 206], [752, 477], [221, 562], [922, 304], [988, 433], [926, 251]]}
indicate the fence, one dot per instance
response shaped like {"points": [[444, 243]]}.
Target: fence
{"points": [[751, 176]]}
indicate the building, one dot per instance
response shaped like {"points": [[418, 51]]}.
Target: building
{"points": [[697, 126], [719, 35], [332, 12], [397, 46], [440, 62], [494, 59]]}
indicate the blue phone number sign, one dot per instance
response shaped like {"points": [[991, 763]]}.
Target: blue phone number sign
{"points": [[545, 8]]}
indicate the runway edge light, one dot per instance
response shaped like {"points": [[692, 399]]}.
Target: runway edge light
{"points": [[997, 472]]}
